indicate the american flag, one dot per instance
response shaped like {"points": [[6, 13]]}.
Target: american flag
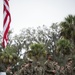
{"points": [[6, 22]]}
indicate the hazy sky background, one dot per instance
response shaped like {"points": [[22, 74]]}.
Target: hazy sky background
{"points": [[34, 13]]}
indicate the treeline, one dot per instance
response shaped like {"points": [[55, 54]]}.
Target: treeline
{"points": [[57, 39]]}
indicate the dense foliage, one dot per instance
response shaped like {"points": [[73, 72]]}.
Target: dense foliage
{"points": [[32, 43]]}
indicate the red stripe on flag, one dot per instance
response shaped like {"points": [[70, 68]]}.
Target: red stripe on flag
{"points": [[6, 22], [6, 1]]}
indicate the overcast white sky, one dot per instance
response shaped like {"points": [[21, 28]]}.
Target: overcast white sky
{"points": [[34, 13]]}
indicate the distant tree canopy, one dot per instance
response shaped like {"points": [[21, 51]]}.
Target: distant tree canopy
{"points": [[66, 43], [68, 30], [37, 51], [64, 46], [43, 40]]}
